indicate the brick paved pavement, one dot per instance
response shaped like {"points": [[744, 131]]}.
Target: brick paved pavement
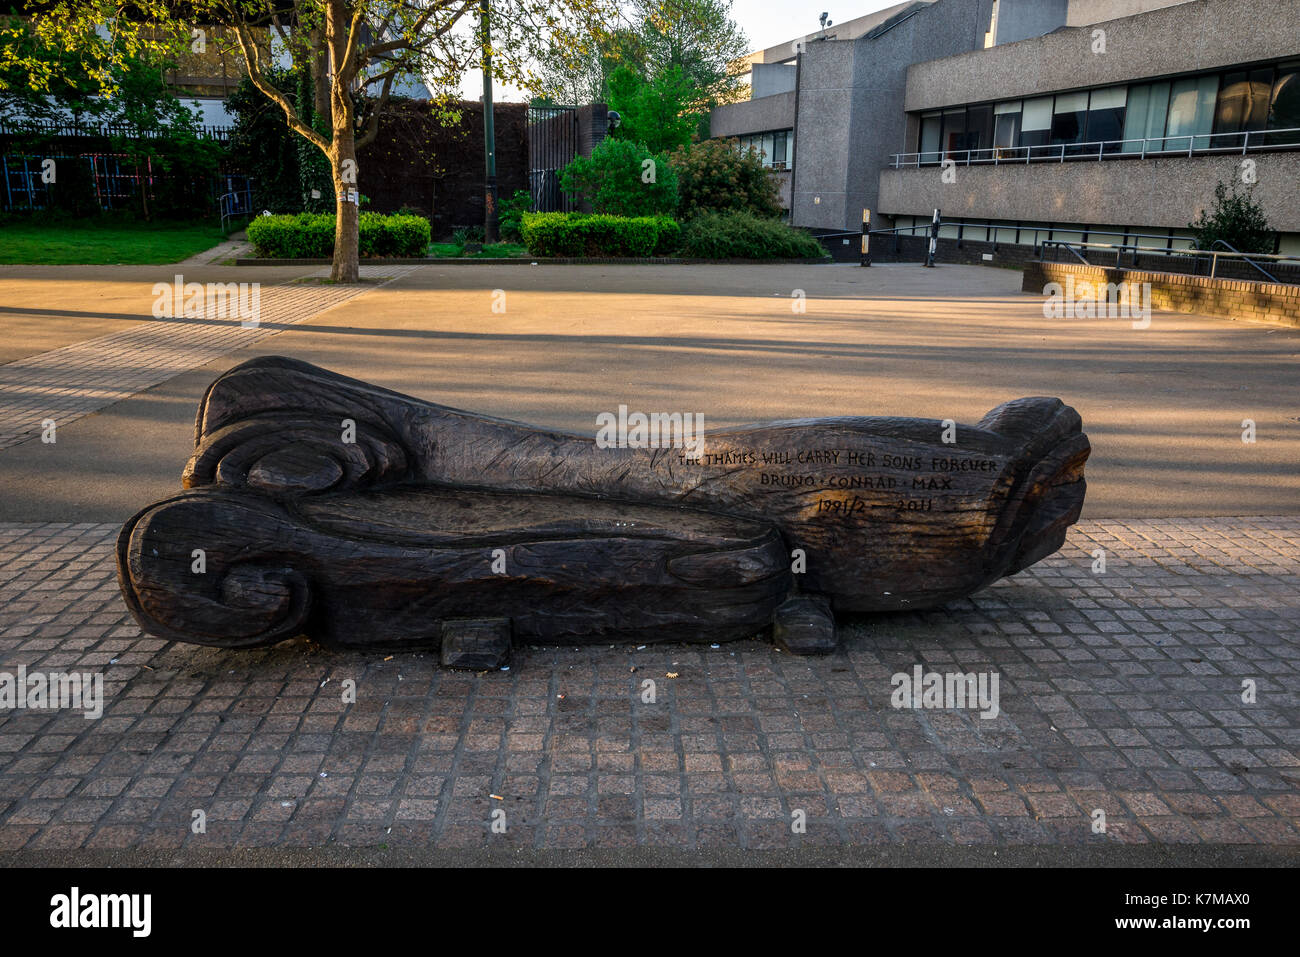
{"points": [[1120, 691], [65, 384]]}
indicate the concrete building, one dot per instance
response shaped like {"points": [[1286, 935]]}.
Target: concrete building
{"points": [[1024, 116]]}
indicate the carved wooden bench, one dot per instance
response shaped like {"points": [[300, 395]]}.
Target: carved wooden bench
{"points": [[371, 518]]}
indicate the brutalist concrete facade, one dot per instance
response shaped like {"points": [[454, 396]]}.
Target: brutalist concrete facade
{"points": [[859, 98]]}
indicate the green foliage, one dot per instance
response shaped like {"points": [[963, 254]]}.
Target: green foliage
{"points": [[510, 212], [313, 166], [578, 234], [613, 180], [696, 36], [1237, 219], [715, 176], [661, 113], [159, 134], [311, 235], [468, 234], [746, 236]]}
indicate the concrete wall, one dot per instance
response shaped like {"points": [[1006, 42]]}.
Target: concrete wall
{"points": [[1166, 192], [770, 79], [753, 116], [1203, 35], [1022, 19], [850, 117]]}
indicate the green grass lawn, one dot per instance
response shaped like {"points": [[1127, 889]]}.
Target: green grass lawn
{"points": [[103, 242], [494, 251]]}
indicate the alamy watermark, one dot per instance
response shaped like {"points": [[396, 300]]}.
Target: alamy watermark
{"points": [[932, 690], [1100, 300], [215, 300], [655, 430], [55, 690]]}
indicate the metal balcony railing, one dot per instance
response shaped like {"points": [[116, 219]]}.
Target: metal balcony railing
{"points": [[1250, 141]]}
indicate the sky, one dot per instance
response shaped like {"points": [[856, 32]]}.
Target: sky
{"points": [[765, 22], [769, 22]]}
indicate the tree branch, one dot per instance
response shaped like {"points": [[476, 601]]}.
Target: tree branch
{"points": [[253, 60], [376, 50], [372, 121]]}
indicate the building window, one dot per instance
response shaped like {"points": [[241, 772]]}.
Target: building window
{"points": [[954, 130], [931, 136], [1069, 118], [775, 149], [1194, 112], [1191, 113], [1106, 116], [1145, 116], [1243, 104], [1036, 122], [1006, 126]]}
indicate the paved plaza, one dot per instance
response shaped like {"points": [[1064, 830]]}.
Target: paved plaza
{"points": [[1154, 690]]}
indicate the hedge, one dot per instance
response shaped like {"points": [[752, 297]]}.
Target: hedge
{"points": [[311, 235], [580, 234], [746, 236]]}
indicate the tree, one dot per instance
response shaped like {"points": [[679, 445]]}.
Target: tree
{"points": [[355, 50], [622, 178], [661, 114], [697, 36], [1237, 219], [581, 74]]}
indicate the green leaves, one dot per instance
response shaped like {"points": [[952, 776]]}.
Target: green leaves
{"points": [[716, 176], [661, 114], [578, 234], [622, 178], [740, 235], [1236, 219], [311, 235]]}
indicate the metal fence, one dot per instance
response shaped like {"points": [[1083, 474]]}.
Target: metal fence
{"points": [[1251, 141], [114, 179], [31, 127], [552, 145]]}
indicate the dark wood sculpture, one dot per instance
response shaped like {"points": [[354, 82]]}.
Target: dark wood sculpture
{"points": [[366, 517]]}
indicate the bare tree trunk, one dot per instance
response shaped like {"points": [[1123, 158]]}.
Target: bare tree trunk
{"points": [[347, 267], [343, 149]]}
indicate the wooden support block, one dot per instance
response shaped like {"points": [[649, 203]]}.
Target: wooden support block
{"points": [[476, 644], [805, 625]]}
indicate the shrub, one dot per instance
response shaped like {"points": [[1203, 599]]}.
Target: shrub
{"points": [[612, 180], [467, 234], [746, 236], [311, 235], [717, 176], [578, 234], [1237, 219], [509, 213]]}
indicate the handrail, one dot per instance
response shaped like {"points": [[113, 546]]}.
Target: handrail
{"points": [[1227, 245], [1103, 149], [1196, 254], [231, 206]]}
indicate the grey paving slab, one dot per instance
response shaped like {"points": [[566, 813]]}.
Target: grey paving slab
{"points": [[1121, 691]]}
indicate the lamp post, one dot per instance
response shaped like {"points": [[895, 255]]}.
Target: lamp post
{"points": [[489, 131]]}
